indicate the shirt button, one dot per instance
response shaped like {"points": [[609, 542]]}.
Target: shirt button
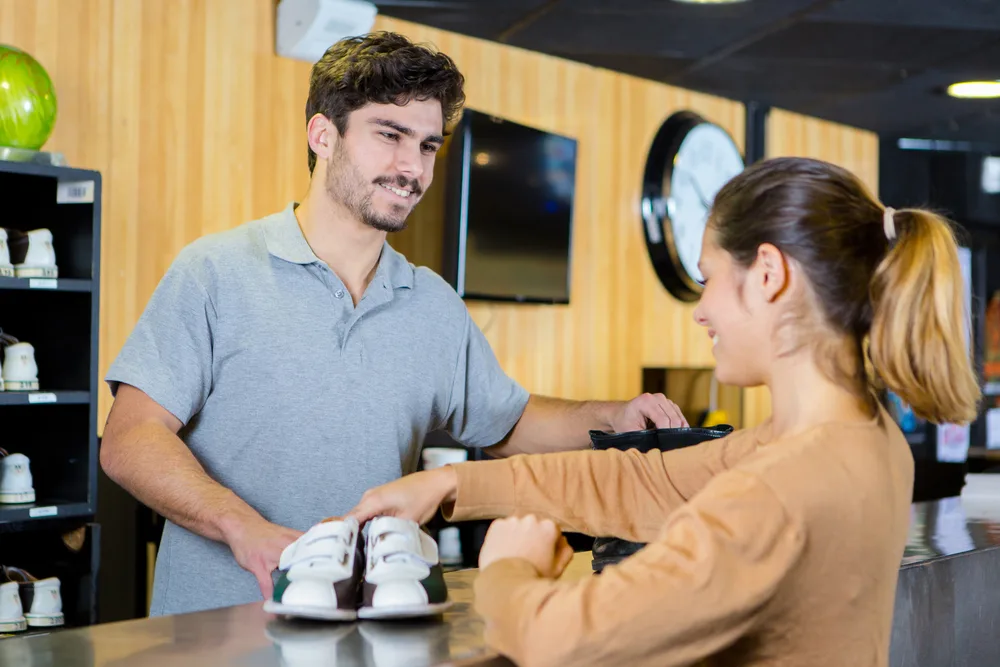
{"points": [[339, 294]]}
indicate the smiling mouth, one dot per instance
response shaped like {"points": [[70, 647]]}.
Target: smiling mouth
{"points": [[714, 336], [399, 192]]}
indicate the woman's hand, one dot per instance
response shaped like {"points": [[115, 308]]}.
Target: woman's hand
{"points": [[415, 497], [538, 541]]}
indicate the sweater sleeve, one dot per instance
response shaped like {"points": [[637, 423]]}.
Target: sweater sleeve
{"points": [[605, 493], [691, 593]]}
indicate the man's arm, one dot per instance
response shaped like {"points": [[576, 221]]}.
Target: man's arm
{"points": [[141, 451], [556, 425]]}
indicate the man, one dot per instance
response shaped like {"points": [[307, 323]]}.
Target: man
{"points": [[284, 367]]}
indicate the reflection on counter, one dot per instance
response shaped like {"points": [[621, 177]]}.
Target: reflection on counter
{"points": [[951, 526], [303, 644]]}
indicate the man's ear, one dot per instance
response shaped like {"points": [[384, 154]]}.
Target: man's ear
{"points": [[773, 273], [322, 136]]}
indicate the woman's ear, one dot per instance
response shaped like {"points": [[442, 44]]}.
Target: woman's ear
{"points": [[772, 271]]}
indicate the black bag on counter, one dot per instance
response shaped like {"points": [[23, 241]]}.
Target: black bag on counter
{"points": [[610, 550]]}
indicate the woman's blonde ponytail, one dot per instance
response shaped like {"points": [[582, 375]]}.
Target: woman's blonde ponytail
{"points": [[919, 343]]}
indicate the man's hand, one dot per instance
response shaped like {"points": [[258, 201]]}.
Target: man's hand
{"points": [[640, 412], [538, 541], [415, 497], [257, 545]]}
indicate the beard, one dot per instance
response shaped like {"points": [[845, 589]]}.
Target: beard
{"points": [[346, 185]]}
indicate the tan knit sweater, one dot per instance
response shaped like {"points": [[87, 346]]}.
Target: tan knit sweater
{"points": [[761, 553]]}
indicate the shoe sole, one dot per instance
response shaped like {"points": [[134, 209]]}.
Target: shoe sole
{"points": [[403, 611], [19, 498], [13, 626], [44, 620], [36, 271], [318, 613]]}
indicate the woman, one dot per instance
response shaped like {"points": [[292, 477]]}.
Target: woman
{"points": [[778, 545]]}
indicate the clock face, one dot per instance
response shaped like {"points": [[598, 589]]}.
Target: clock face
{"points": [[706, 160]]}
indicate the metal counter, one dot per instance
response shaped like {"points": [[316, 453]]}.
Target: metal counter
{"points": [[948, 599], [246, 636]]}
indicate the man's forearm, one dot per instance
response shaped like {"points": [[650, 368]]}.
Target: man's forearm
{"points": [[156, 467], [555, 425]]}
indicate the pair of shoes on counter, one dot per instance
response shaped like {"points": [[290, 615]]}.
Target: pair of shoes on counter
{"points": [[338, 572], [19, 371], [28, 602], [27, 254], [16, 483]]}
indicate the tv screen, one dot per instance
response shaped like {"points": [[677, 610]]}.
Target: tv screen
{"points": [[510, 211]]}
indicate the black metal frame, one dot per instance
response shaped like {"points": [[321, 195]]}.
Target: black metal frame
{"points": [[57, 425]]}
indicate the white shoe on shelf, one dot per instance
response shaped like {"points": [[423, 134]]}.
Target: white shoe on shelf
{"points": [[40, 598], [20, 372], [11, 613], [16, 483], [34, 256], [6, 268]]}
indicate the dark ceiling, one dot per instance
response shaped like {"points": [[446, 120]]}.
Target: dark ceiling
{"points": [[876, 64]]}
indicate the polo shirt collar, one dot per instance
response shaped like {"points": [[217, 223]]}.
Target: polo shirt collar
{"points": [[284, 240]]}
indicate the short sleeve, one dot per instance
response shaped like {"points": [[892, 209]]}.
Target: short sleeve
{"points": [[168, 355], [485, 402]]}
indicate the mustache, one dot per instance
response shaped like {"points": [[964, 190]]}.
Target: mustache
{"points": [[401, 182]]}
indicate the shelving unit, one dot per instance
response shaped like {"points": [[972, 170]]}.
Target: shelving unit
{"points": [[55, 427]]}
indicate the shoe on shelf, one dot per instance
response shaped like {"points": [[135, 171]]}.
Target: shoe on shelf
{"points": [[6, 268], [20, 372], [403, 575], [11, 613], [320, 573], [40, 598], [15, 479], [32, 253]]}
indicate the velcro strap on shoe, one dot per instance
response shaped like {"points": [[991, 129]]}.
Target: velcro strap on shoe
{"points": [[326, 549], [399, 549]]}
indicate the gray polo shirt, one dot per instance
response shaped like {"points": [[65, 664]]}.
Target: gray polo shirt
{"points": [[293, 397]]}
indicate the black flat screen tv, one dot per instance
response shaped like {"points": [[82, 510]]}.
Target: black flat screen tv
{"points": [[509, 212]]}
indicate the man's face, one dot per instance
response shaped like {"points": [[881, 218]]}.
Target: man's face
{"points": [[384, 162]]}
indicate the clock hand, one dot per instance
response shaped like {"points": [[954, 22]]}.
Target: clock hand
{"points": [[694, 184]]}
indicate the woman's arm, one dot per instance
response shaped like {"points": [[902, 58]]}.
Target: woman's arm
{"points": [[602, 493], [687, 595]]}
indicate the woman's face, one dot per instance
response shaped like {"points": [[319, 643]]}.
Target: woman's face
{"points": [[732, 311]]}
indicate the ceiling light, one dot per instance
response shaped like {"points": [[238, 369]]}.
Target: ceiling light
{"points": [[975, 89]]}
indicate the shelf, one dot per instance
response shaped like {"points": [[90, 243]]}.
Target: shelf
{"points": [[34, 632], [47, 284], [44, 397], [46, 509]]}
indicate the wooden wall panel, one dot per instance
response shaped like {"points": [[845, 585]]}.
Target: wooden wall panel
{"points": [[792, 134], [199, 127]]}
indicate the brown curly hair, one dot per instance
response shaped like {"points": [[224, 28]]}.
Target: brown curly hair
{"points": [[381, 68]]}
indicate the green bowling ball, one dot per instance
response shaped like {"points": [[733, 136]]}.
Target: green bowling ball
{"points": [[27, 101]]}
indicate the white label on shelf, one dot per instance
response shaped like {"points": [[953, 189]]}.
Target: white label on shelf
{"points": [[42, 398], [75, 192], [43, 511], [43, 283]]}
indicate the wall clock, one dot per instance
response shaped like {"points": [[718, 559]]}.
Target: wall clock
{"points": [[689, 161]]}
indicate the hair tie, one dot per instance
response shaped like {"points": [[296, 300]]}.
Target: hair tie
{"points": [[888, 224]]}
